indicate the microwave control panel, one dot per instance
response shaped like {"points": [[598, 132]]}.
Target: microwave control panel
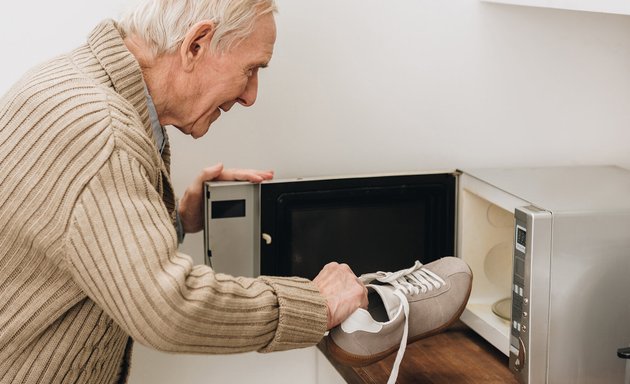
{"points": [[520, 301], [530, 294]]}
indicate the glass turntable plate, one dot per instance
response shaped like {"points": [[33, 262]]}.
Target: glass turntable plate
{"points": [[503, 308]]}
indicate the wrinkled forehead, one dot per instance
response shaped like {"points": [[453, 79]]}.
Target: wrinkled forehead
{"points": [[261, 32], [260, 42]]}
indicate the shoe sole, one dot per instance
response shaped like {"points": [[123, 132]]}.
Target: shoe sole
{"points": [[353, 360]]}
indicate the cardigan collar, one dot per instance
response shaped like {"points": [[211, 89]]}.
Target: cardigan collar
{"points": [[107, 44], [122, 68]]}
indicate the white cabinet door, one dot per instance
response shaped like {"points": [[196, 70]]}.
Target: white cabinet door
{"points": [[289, 367], [326, 373]]}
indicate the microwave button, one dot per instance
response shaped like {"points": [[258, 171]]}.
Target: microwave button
{"points": [[525, 300], [524, 314]]}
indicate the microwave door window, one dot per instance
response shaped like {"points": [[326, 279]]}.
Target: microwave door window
{"points": [[372, 224], [368, 237]]}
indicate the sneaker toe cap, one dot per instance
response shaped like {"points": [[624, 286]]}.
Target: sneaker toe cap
{"points": [[449, 266]]}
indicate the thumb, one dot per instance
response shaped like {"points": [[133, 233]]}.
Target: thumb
{"points": [[211, 173]]}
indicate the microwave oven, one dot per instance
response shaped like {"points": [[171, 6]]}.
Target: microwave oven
{"points": [[549, 248]]}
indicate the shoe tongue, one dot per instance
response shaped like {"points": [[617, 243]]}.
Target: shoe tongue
{"points": [[390, 300]]}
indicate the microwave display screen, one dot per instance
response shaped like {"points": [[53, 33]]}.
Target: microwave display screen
{"points": [[521, 238], [228, 209]]}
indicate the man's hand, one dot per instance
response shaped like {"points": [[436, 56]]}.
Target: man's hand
{"points": [[191, 204], [343, 292]]}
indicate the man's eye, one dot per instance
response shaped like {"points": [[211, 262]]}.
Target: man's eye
{"points": [[250, 73]]}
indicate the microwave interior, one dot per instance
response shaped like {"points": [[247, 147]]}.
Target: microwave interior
{"points": [[486, 229]]}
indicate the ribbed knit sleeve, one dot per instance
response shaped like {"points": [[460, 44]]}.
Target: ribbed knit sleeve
{"points": [[122, 251]]}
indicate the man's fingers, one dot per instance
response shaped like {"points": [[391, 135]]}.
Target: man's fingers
{"points": [[343, 291], [218, 173], [251, 175], [211, 173]]}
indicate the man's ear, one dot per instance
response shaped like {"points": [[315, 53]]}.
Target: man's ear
{"points": [[196, 43]]}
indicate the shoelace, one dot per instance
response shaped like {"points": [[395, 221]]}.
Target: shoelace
{"points": [[410, 281]]}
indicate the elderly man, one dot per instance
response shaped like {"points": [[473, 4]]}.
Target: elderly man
{"points": [[88, 217]]}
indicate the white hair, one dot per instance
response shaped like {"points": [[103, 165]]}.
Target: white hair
{"points": [[163, 24]]}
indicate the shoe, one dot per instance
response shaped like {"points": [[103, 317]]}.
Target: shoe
{"points": [[404, 306]]}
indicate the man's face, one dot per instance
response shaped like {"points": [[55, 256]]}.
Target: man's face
{"points": [[224, 79]]}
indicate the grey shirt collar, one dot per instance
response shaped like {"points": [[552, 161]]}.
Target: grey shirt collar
{"points": [[159, 132], [161, 138]]}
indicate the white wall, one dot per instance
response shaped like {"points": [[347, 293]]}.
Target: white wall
{"points": [[365, 86]]}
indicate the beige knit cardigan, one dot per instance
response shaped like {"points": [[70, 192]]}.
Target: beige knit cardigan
{"points": [[88, 250]]}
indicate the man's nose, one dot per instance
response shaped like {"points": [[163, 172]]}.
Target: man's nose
{"points": [[248, 97]]}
